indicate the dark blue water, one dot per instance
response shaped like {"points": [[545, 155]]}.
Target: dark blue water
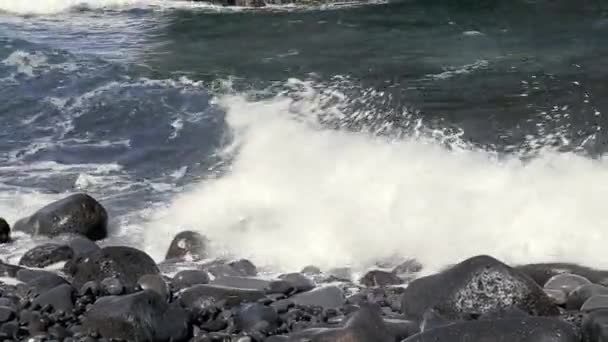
{"points": [[121, 101]]}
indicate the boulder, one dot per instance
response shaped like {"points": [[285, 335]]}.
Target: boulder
{"points": [[123, 263], [46, 254], [300, 282], [59, 298], [327, 297], [188, 278], [577, 297], [256, 317], [8, 270], [557, 296], [541, 273], [141, 316], [5, 231], [156, 283], [408, 267], [380, 278], [188, 245], [39, 282], [524, 329], [77, 214], [473, 287], [200, 296], [244, 267], [80, 245], [311, 270], [595, 326], [595, 303], [566, 282], [242, 283], [365, 325]]}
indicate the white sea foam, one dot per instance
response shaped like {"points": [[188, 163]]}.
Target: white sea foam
{"points": [[56, 6], [298, 194]]}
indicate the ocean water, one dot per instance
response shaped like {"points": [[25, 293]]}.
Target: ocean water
{"points": [[332, 135]]}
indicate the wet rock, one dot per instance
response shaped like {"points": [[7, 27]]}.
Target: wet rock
{"points": [[6, 314], [311, 270], [594, 303], [340, 273], [8, 270], [90, 288], [376, 278], [473, 287], [566, 282], [189, 278], [526, 329], [45, 255], [10, 330], [188, 245], [5, 231], [111, 286], [408, 267], [595, 326], [365, 325], [558, 297], [281, 287], [218, 270], [124, 263], [201, 296], [78, 214], [242, 283], [255, 317], [80, 245], [327, 297], [541, 273], [156, 283], [59, 298], [401, 328], [577, 297], [39, 282], [281, 306], [244, 267], [299, 281], [141, 316]]}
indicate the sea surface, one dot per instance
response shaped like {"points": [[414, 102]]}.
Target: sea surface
{"points": [[333, 135]]}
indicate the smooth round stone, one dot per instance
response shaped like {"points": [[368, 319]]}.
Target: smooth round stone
{"points": [[156, 283], [188, 278], [188, 244], [112, 286], [244, 267], [299, 281], [90, 287], [566, 282], [5, 231], [557, 296], [380, 278], [311, 270], [46, 254], [342, 273], [577, 298], [6, 314], [595, 303]]}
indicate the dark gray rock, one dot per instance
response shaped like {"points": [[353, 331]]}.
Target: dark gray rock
{"points": [[5, 231], [311, 270], [376, 278], [244, 267], [541, 273], [340, 273], [255, 317], [401, 328], [299, 281], [111, 286], [431, 319], [595, 326], [365, 325], [526, 329], [78, 214], [156, 283], [124, 263], [201, 296], [473, 287], [188, 245], [90, 288], [327, 297], [577, 297], [558, 297], [408, 267], [142, 316], [594, 303], [80, 245], [8, 270], [281, 287], [45, 255], [6, 314], [566, 282], [242, 283], [60, 298], [39, 282], [188, 278]]}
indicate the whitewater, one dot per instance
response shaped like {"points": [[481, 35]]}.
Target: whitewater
{"points": [[172, 129]]}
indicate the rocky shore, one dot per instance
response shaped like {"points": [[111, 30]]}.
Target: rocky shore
{"points": [[119, 293]]}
